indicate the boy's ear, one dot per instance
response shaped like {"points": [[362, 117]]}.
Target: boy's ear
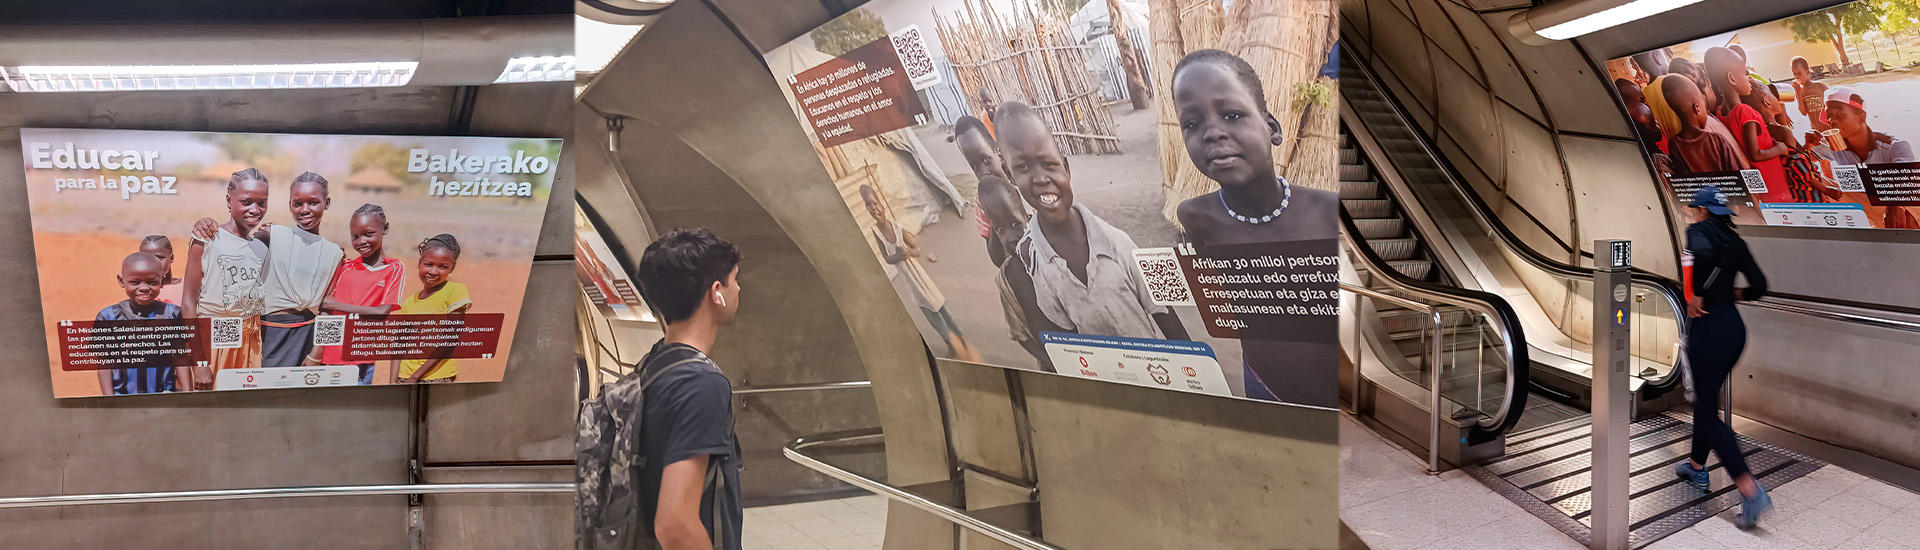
{"points": [[122, 279], [1273, 126]]}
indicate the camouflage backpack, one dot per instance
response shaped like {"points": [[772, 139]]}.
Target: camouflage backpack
{"points": [[611, 511]]}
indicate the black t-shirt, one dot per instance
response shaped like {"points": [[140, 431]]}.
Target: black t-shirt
{"points": [[689, 413]]}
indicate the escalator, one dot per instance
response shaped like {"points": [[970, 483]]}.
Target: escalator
{"points": [[1449, 296]]}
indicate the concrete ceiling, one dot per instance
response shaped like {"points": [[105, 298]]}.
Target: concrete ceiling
{"points": [[770, 23]]}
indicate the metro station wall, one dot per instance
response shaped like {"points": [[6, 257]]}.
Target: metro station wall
{"points": [[201, 440], [1532, 129], [279, 437], [698, 85]]}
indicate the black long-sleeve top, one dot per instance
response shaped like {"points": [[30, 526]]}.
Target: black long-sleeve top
{"points": [[1718, 254]]}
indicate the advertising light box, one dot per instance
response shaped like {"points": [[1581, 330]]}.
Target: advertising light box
{"points": [[195, 261], [1799, 122], [1057, 190]]}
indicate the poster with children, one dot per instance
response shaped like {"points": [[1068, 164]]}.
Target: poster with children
{"points": [[198, 261], [1798, 122], [1058, 187]]}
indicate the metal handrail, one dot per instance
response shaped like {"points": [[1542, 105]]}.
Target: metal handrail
{"points": [[1855, 318], [959, 517], [1433, 364], [282, 492], [856, 384], [1506, 323], [1667, 288]]}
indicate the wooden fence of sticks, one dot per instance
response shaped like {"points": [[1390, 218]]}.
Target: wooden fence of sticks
{"points": [[1034, 59]]}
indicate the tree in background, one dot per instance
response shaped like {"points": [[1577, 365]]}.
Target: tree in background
{"points": [[386, 157], [1831, 26], [855, 29], [1136, 84]]}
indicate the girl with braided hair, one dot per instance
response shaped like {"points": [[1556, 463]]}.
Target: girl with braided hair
{"points": [[438, 256]]}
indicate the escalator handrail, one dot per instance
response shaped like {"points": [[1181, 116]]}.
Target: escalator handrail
{"points": [[1505, 321], [1667, 288]]}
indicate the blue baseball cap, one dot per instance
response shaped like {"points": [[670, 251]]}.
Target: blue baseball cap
{"points": [[1713, 200]]}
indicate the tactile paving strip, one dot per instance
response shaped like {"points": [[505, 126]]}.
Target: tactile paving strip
{"points": [[1548, 472]]}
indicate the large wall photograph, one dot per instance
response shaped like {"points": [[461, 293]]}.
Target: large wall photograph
{"points": [[1130, 191], [195, 261], [1799, 122]]}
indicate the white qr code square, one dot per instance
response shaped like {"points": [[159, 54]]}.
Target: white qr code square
{"points": [[329, 330], [1849, 179], [1755, 184], [227, 333], [1166, 285], [911, 46]]}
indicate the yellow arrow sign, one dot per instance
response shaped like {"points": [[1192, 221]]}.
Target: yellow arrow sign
{"points": [[1619, 317]]}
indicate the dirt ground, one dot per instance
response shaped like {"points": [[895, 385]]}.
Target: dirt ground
{"points": [[79, 246], [1123, 189]]}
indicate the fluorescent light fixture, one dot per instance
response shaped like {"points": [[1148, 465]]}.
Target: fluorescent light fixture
{"points": [[537, 69], [1612, 17], [116, 78], [597, 43]]}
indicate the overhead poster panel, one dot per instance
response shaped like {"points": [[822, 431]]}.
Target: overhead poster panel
{"points": [[1050, 188], [194, 261], [1798, 122]]}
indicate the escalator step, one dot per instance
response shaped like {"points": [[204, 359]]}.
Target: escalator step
{"points": [[1354, 172], [1395, 249], [1348, 155], [1368, 208], [1381, 228], [1359, 189], [1418, 269]]}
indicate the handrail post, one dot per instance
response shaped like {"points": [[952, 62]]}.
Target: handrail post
{"points": [[1433, 370]]}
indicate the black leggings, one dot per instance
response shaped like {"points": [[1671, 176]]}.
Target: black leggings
{"points": [[1714, 344]]}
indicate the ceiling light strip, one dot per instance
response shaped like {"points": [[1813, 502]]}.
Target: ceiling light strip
{"points": [[112, 78]]}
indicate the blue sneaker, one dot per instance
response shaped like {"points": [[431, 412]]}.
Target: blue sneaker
{"points": [[1752, 508], [1697, 478]]}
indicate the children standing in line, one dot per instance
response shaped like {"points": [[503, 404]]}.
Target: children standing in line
{"points": [[1081, 265], [370, 284], [142, 275], [224, 274], [161, 247], [1690, 147], [438, 256], [1230, 135], [898, 248], [1728, 73]]}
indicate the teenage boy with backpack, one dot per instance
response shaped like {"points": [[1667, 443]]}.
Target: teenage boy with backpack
{"points": [[658, 463]]}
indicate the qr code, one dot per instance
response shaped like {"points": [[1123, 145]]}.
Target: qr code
{"points": [[1849, 179], [1755, 184], [912, 49], [329, 330], [226, 333], [1164, 282]]}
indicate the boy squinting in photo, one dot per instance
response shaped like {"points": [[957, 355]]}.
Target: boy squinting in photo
{"points": [[224, 274], [370, 284], [141, 275], [1009, 222], [977, 146], [438, 256], [1230, 135], [1081, 266]]}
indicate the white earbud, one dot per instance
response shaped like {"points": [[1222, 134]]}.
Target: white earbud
{"points": [[722, 297]]}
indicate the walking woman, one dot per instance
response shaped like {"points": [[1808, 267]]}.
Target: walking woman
{"points": [[1715, 339]]}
